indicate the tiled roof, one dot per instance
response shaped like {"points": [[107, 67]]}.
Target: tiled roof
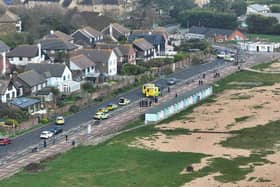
{"points": [[46, 69], [31, 78], [61, 35], [125, 48], [82, 61], [57, 44], [90, 31], [143, 44], [24, 51], [9, 17], [120, 28]]}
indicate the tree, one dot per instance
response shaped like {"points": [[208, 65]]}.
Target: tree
{"points": [[260, 24], [239, 7], [219, 5]]}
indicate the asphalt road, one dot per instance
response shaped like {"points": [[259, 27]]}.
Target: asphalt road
{"points": [[31, 138]]}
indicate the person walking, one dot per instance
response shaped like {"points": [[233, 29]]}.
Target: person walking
{"points": [[66, 138]]}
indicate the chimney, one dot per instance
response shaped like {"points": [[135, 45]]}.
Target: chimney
{"points": [[39, 50], [4, 63]]}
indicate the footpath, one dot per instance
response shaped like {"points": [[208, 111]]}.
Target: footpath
{"points": [[92, 133]]}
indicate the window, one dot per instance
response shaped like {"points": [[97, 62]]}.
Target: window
{"points": [[64, 77], [8, 96], [13, 95], [20, 58]]}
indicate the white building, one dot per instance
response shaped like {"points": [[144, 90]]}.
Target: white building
{"points": [[259, 46], [7, 90], [83, 65], [257, 9], [25, 54]]}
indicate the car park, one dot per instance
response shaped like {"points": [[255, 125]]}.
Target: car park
{"points": [[56, 130], [5, 141], [171, 81], [59, 120], [123, 101], [46, 134], [100, 116], [112, 106]]}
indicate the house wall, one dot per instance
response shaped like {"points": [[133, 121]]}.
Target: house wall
{"points": [[112, 64], [58, 82], [24, 60], [9, 94], [86, 71], [259, 47], [178, 106]]}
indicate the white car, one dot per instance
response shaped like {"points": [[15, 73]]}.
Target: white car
{"points": [[46, 134]]}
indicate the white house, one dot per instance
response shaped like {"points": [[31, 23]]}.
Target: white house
{"points": [[56, 75], [25, 54], [83, 65], [105, 59], [7, 90], [257, 9], [259, 46]]}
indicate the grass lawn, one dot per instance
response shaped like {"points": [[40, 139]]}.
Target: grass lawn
{"points": [[269, 38], [264, 65]]}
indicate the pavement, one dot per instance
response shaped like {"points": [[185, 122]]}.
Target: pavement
{"points": [[115, 123]]}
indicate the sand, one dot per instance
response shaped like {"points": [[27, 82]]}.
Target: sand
{"points": [[232, 110]]}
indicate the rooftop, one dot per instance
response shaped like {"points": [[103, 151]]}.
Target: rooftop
{"points": [[24, 102]]}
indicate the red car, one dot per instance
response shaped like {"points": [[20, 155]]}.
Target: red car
{"points": [[5, 141]]}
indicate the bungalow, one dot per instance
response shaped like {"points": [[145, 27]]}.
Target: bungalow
{"points": [[157, 39], [257, 9], [105, 60], [7, 90], [25, 54], [10, 22], [55, 47], [59, 35], [56, 75], [31, 82], [31, 105], [116, 31], [87, 36], [215, 34], [144, 49], [82, 66]]}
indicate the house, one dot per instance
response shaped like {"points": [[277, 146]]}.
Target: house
{"points": [[259, 46], [87, 36], [57, 75], [25, 54], [55, 48], [31, 82], [59, 35], [10, 22], [116, 31], [176, 34], [30, 105], [82, 66], [5, 66], [105, 60], [7, 90], [128, 52], [257, 9], [215, 34], [144, 49], [157, 39], [4, 47]]}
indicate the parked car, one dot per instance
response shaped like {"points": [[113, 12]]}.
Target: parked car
{"points": [[5, 141], [112, 106], [46, 134], [123, 101], [229, 58], [103, 110], [56, 130], [100, 116], [171, 81], [59, 120], [221, 55]]}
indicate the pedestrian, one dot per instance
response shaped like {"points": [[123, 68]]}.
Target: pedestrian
{"points": [[73, 143], [150, 103], [168, 89], [66, 138], [176, 95], [53, 140], [45, 143], [156, 99], [204, 75]]}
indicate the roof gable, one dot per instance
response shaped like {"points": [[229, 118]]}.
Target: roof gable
{"points": [[24, 51], [82, 61], [143, 44]]}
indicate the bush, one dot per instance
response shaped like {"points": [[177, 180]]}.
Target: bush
{"points": [[275, 8], [74, 109], [44, 121], [88, 87], [11, 122], [131, 69]]}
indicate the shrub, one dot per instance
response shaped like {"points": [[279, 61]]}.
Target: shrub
{"points": [[131, 69], [11, 122], [74, 109], [88, 87], [44, 121]]}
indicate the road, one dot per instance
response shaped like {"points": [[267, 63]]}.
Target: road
{"points": [[31, 138]]}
